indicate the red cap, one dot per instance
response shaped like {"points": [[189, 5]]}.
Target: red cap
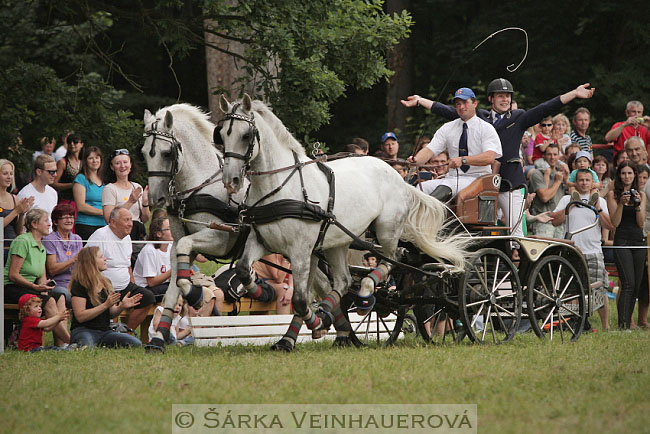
{"points": [[23, 299]]}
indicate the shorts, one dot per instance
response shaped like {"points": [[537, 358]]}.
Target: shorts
{"points": [[147, 296], [14, 292], [596, 268]]}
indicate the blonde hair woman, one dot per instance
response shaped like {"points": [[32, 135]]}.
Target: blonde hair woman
{"points": [[11, 208], [94, 303]]}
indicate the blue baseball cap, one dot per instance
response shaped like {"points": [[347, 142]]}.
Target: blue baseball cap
{"points": [[464, 93], [389, 135]]}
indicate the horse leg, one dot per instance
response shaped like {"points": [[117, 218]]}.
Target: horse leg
{"points": [[162, 334], [388, 239], [252, 252], [342, 280]]}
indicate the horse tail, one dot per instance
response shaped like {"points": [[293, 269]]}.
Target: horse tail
{"points": [[424, 223]]}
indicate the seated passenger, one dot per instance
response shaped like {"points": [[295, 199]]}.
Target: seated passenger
{"points": [[473, 146]]}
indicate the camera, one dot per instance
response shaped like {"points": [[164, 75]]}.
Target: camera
{"points": [[635, 200]]}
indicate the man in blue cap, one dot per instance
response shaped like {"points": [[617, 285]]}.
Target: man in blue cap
{"points": [[473, 146], [390, 144], [510, 125]]}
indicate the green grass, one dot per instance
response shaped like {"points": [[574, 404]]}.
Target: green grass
{"points": [[598, 384]]}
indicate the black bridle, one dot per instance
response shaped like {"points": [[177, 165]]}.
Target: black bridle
{"points": [[253, 135], [176, 151]]}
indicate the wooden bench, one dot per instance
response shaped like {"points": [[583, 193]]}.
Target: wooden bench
{"points": [[252, 307], [265, 330]]}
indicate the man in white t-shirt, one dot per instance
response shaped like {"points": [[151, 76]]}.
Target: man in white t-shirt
{"points": [[45, 197], [153, 268], [115, 243], [590, 241], [473, 146]]}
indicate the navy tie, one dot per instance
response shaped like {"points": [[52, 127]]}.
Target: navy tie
{"points": [[497, 119], [462, 147]]}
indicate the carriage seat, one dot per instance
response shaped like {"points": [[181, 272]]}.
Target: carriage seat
{"points": [[477, 203]]}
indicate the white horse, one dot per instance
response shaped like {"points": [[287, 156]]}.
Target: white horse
{"points": [[185, 172], [368, 193]]}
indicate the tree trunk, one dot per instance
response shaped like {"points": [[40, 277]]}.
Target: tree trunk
{"points": [[223, 71], [400, 60]]}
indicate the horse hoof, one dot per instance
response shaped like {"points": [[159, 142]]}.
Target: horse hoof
{"points": [[342, 342], [282, 345], [317, 334], [326, 318]]}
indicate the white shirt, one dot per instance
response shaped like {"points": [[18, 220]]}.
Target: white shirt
{"points": [[588, 241], [45, 201], [481, 137], [118, 255], [151, 262]]}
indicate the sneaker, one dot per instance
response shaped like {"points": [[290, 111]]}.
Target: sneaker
{"points": [[593, 200], [575, 197]]}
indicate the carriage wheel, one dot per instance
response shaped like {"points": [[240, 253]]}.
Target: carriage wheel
{"points": [[441, 328], [555, 299], [490, 297], [383, 323]]}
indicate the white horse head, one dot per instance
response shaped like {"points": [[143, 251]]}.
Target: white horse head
{"points": [[247, 128], [176, 138]]}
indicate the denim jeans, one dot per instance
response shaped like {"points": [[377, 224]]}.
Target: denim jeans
{"points": [[630, 266], [107, 338], [63, 290]]}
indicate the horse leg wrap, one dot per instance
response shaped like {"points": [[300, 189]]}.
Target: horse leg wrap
{"points": [[342, 326], [326, 320], [194, 297], [288, 341], [374, 278], [312, 321], [331, 301], [165, 323], [183, 272], [262, 292]]}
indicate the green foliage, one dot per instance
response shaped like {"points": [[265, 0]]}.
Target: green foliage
{"points": [[36, 100]]}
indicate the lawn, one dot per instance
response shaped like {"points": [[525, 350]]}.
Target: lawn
{"points": [[598, 384]]}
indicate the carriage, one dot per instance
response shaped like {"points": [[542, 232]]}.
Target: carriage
{"points": [[493, 298], [452, 293]]}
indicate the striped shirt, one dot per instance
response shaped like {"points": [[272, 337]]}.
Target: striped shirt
{"points": [[584, 142]]}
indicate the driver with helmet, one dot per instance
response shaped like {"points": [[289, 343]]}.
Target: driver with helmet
{"points": [[510, 126]]}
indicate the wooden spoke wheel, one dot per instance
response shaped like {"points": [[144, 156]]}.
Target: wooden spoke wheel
{"points": [[490, 297], [555, 299]]}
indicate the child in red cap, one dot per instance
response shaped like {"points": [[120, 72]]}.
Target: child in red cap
{"points": [[32, 326]]}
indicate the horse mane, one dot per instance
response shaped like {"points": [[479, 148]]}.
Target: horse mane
{"points": [[281, 133], [190, 113]]}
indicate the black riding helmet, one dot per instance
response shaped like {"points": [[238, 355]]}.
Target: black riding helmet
{"points": [[500, 85]]}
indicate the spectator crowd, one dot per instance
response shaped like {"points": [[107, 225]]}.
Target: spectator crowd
{"points": [[70, 229]]}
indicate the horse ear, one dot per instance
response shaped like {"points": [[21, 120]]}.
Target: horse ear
{"points": [[147, 116], [224, 105], [169, 120], [247, 103]]}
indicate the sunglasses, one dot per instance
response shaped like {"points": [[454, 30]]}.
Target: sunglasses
{"points": [[51, 172], [546, 125], [120, 152]]}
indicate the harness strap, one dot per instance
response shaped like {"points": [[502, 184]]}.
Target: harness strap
{"points": [[329, 174], [209, 204]]}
